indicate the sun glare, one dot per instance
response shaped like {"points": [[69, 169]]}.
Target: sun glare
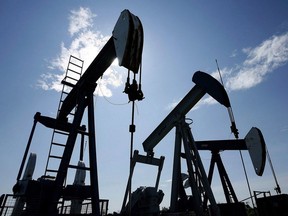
{"points": [[115, 62]]}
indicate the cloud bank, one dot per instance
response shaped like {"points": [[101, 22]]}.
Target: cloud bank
{"points": [[260, 61], [86, 44], [80, 20]]}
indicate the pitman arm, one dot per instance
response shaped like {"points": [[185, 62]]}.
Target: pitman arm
{"points": [[204, 84]]}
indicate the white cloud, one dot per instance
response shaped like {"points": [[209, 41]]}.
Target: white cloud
{"points": [[51, 81], [225, 72], [81, 19], [85, 45], [260, 61], [110, 78], [207, 101]]}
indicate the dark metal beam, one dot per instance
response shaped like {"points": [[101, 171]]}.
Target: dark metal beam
{"points": [[93, 157], [221, 145], [58, 124], [184, 106], [205, 83], [95, 70]]}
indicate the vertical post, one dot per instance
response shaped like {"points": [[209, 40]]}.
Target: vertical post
{"points": [[63, 167], [132, 130], [92, 156], [28, 146], [176, 171]]}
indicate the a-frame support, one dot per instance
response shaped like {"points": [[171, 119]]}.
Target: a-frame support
{"points": [[137, 158], [85, 100], [198, 180], [229, 192]]}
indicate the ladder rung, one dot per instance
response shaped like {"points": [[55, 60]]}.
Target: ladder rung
{"points": [[54, 156], [74, 76], [61, 132], [64, 92], [71, 56], [73, 71], [58, 144], [80, 66], [52, 171], [67, 83], [78, 167]]}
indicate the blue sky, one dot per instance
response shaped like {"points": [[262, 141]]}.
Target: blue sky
{"points": [[249, 40]]}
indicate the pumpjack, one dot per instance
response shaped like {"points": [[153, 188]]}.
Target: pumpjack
{"points": [[196, 178], [50, 195]]}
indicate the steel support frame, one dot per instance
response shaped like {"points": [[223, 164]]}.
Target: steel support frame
{"points": [[176, 171], [92, 157], [85, 100], [150, 160], [229, 192], [198, 180]]}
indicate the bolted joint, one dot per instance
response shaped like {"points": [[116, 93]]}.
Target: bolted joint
{"points": [[132, 128]]}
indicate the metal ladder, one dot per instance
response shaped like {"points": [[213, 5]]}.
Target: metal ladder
{"points": [[59, 137]]}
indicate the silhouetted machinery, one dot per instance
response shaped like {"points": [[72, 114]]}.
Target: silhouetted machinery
{"points": [[49, 195], [196, 178]]}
